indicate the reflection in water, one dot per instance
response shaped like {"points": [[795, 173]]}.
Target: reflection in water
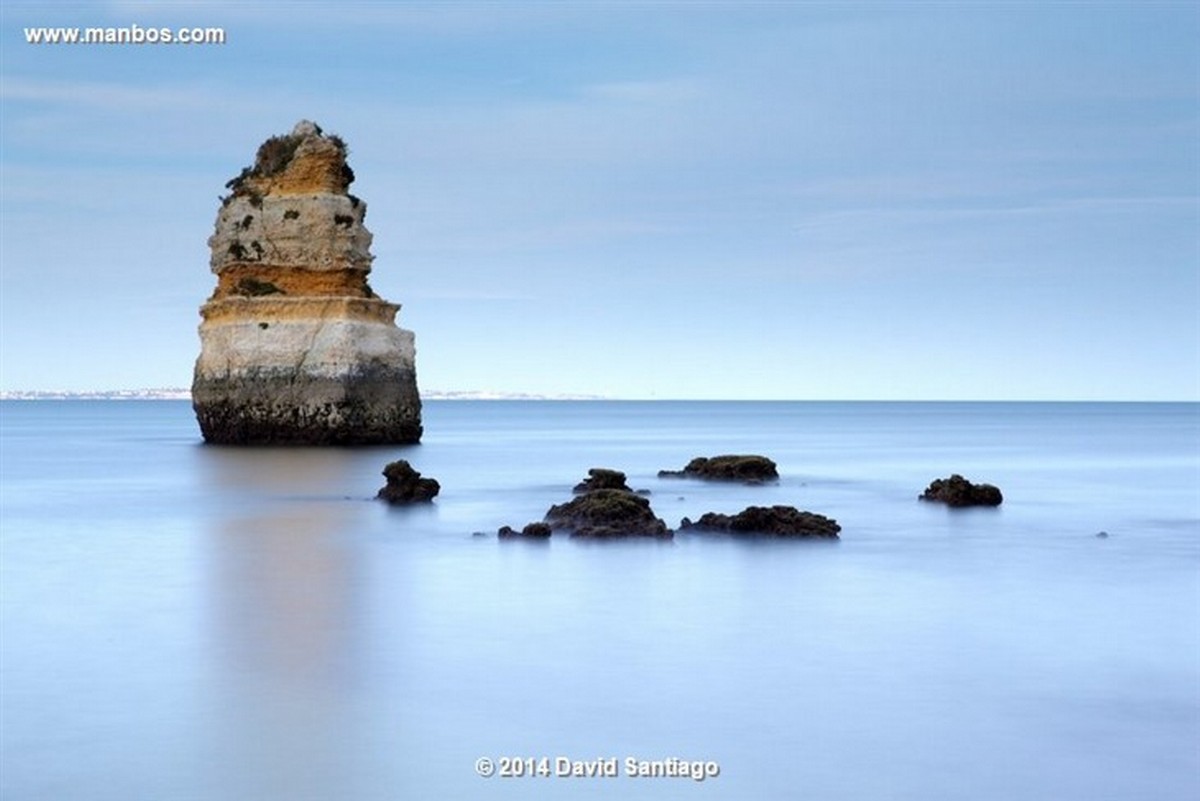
{"points": [[283, 596], [282, 612], [257, 473]]}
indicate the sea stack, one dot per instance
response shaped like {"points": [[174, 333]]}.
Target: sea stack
{"points": [[295, 347]]}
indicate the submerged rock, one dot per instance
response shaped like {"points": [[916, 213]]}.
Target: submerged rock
{"points": [[773, 521], [606, 514], [295, 346], [405, 485], [603, 478], [748, 468], [533, 531], [957, 491]]}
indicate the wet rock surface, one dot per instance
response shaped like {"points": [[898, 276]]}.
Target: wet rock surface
{"points": [[405, 485], [746, 468], [959, 492], [768, 521]]}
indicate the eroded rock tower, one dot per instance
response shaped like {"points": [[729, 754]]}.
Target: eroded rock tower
{"points": [[295, 346]]}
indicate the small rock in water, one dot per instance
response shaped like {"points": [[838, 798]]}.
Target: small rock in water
{"points": [[602, 478], [957, 491], [606, 514], [774, 521], [531, 531], [405, 485], [1103, 535], [748, 468]]}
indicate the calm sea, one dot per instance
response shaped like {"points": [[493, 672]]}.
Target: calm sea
{"points": [[190, 622]]}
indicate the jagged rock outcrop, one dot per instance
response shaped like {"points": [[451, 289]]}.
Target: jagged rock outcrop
{"points": [[768, 521], [295, 346], [958, 491], [748, 468], [405, 485]]}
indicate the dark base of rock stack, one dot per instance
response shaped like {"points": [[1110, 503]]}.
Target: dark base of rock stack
{"points": [[365, 410]]}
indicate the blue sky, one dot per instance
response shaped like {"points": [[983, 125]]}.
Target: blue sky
{"points": [[672, 200]]}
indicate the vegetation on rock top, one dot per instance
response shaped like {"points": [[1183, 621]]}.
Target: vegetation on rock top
{"points": [[274, 156]]}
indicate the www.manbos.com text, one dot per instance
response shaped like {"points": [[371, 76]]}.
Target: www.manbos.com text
{"points": [[129, 34]]}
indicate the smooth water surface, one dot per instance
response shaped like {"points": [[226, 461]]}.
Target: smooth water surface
{"points": [[182, 621]]}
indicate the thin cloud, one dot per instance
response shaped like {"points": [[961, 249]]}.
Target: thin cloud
{"points": [[467, 296], [109, 96], [662, 91], [445, 19], [499, 239]]}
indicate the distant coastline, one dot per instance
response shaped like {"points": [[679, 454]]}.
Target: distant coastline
{"points": [[179, 393]]}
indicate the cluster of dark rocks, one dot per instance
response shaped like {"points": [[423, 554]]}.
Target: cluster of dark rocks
{"points": [[605, 507]]}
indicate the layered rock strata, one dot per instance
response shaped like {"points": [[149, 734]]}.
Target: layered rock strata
{"points": [[295, 346]]}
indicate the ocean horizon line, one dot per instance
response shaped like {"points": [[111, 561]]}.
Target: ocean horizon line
{"points": [[183, 394]]}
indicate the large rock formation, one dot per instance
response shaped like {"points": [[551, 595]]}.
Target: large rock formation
{"points": [[295, 346]]}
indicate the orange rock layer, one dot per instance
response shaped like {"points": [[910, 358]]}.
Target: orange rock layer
{"points": [[261, 280], [277, 308]]}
